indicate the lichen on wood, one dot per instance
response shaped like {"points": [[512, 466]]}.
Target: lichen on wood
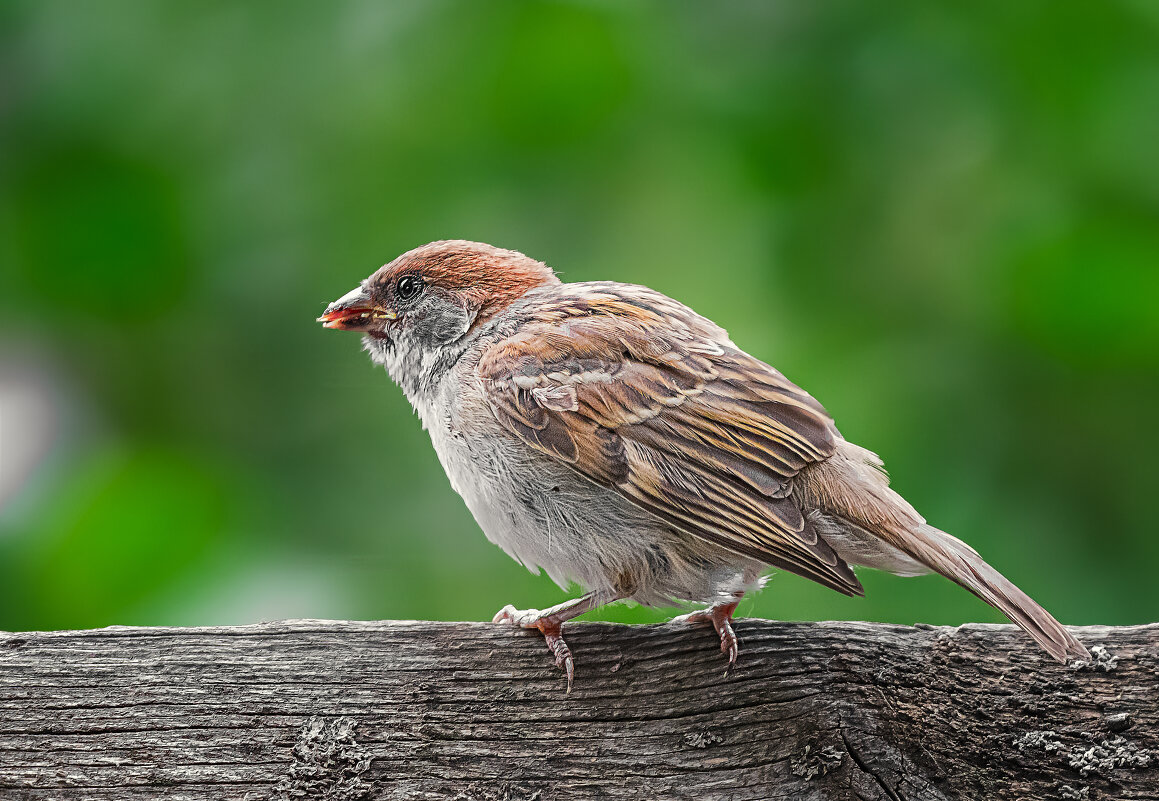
{"points": [[409, 710]]}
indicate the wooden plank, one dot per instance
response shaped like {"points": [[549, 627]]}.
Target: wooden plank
{"points": [[414, 710]]}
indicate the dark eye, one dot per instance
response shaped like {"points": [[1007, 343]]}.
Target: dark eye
{"points": [[408, 287]]}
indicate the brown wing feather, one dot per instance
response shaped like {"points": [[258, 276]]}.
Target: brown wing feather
{"points": [[685, 425]]}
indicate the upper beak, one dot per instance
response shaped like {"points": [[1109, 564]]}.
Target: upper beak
{"points": [[354, 311]]}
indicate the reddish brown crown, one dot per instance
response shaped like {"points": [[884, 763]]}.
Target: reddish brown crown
{"points": [[489, 278]]}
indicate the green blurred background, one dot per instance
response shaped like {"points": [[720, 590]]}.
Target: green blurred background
{"points": [[943, 222]]}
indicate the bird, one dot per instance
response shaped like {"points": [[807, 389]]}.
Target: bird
{"points": [[615, 439]]}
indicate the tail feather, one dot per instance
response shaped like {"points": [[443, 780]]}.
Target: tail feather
{"points": [[961, 564], [877, 527]]}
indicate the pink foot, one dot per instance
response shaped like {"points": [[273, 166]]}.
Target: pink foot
{"points": [[720, 616], [552, 632]]}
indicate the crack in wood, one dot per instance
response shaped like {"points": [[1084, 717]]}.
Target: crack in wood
{"points": [[868, 771], [346, 711]]}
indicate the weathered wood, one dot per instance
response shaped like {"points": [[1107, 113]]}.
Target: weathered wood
{"points": [[337, 710]]}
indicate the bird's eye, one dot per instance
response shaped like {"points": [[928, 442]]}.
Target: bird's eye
{"points": [[408, 287]]}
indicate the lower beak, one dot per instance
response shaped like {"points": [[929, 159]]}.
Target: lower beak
{"points": [[354, 311]]}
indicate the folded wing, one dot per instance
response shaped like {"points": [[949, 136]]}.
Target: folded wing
{"points": [[682, 423]]}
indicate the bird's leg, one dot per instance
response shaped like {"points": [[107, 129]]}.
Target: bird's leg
{"points": [[550, 621], [720, 616]]}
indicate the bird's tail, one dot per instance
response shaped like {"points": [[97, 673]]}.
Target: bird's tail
{"points": [[884, 531], [961, 564]]}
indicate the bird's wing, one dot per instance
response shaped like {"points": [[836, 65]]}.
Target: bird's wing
{"points": [[641, 395]]}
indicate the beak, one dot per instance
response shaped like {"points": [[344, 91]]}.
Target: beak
{"points": [[355, 311]]}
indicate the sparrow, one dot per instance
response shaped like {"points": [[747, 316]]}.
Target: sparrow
{"points": [[612, 437]]}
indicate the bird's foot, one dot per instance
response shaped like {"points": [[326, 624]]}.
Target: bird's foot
{"points": [[552, 629], [720, 616]]}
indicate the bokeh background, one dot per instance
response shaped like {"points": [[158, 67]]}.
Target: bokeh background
{"points": [[942, 221]]}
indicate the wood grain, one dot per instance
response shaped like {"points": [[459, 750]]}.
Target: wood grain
{"points": [[413, 710]]}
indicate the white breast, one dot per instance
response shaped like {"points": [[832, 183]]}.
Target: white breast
{"points": [[546, 516]]}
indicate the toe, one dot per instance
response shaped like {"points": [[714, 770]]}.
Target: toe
{"points": [[563, 660], [732, 650], [505, 615], [527, 618], [728, 642], [561, 652], [692, 618], [569, 669]]}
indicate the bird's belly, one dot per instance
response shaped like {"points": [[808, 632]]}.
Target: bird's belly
{"points": [[545, 516], [541, 518]]}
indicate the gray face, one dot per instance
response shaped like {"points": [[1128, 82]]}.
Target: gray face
{"points": [[424, 341], [435, 319]]}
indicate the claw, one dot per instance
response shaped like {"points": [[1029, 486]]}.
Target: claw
{"points": [[559, 648], [720, 616], [552, 630], [728, 643]]}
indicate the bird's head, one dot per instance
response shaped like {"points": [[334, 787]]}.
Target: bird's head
{"points": [[420, 308]]}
